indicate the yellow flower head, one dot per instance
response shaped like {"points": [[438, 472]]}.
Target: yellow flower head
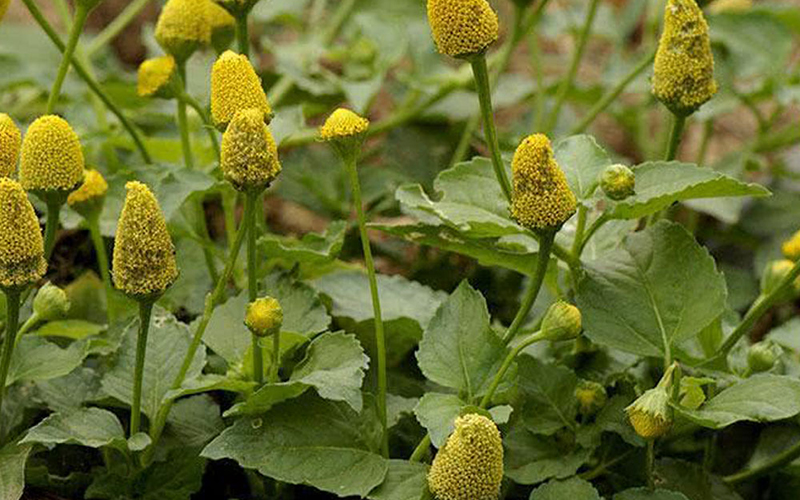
{"points": [[21, 244], [264, 316], [144, 256], [462, 27], [223, 26], [10, 140], [341, 124], [791, 247], [235, 86], [183, 28], [249, 156], [52, 159], [155, 77], [721, 6], [470, 464], [541, 198], [683, 75], [90, 196]]}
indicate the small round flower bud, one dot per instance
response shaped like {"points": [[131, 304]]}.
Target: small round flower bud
{"points": [[470, 464], [791, 247], [88, 199], [720, 6], [345, 131], [223, 26], [50, 303], [651, 414], [762, 356], [237, 8], [618, 182], [249, 155], [235, 86], [562, 321], [683, 75], [591, 397], [462, 27], [21, 244], [541, 198], [157, 77], [10, 141], [264, 317], [144, 256], [182, 28], [52, 160]]}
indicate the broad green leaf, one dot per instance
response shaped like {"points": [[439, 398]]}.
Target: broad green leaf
{"points": [[195, 421], [572, 489], [582, 160], [459, 349], [311, 247], [75, 329], [531, 459], [167, 343], [310, 441], [757, 44], [660, 288], [691, 480], [179, 478], [266, 397], [70, 391], [648, 494], [761, 398], [91, 427], [404, 481], [37, 359], [660, 184], [436, 412], [12, 470], [550, 391]]}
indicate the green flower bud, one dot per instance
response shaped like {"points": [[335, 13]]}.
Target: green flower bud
{"points": [[651, 414], [618, 182], [791, 247], [50, 303], [470, 464], [591, 397], [762, 356], [562, 321], [264, 317]]}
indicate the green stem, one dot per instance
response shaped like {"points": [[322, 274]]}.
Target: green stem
{"points": [[50, 227], [201, 112], [498, 378], [577, 242], [145, 311], [380, 341], [242, 36], [251, 206], [421, 449], [774, 464], [81, 13], [597, 224], [611, 96], [116, 26], [651, 461], [183, 121], [276, 357], [12, 323], [102, 257], [29, 323], [83, 73], [675, 135], [566, 84], [480, 72], [543, 259]]}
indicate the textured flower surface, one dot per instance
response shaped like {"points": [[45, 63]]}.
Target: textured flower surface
{"points": [[154, 76], [21, 244], [651, 415], [470, 464], [10, 141], [791, 247], [343, 123], [93, 188], [52, 159], [144, 256], [541, 198], [462, 27], [235, 86], [264, 316], [249, 156], [683, 74], [183, 27]]}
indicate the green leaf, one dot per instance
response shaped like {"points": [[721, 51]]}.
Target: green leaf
{"points": [[437, 412], [531, 458], [310, 441], [195, 421], [761, 398], [404, 481], [91, 427], [572, 489], [660, 288], [37, 359], [12, 470], [75, 329], [550, 391], [660, 184], [70, 391], [648, 494], [691, 480], [179, 478], [311, 247], [167, 343], [582, 160], [459, 349]]}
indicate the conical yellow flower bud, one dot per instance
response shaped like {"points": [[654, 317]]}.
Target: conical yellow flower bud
{"points": [[651, 414], [52, 159], [10, 140], [541, 198], [462, 27], [235, 86], [343, 123], [183, 28], [791, 247], [156, 77], [144, 256], [89, 198], [264, 316], [21, 244], [223, 26], [470, 464], [683, 75], [249, 156]]}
